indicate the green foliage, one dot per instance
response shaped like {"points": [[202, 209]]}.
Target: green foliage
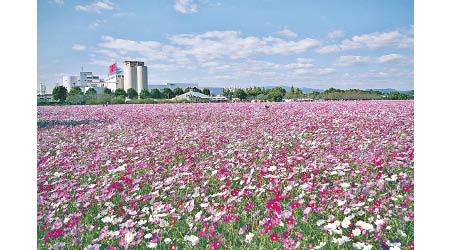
{"points": [[75, 91], [144, 94], [131, 93], [76, 99], [395, 95], [118, 100], [291, 91], [142, 101], [298, 92], [94, 102], [239, 93], [206, 91], [276, 96], [120, 92], [195, 89], [155, 94], [167, 93], [178, 91], [91, 91], [227, 93], [107, 91], [59, 93], [104, 98]]}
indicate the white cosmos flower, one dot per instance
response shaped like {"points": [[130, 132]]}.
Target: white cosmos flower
{"points": [[356, 232], [346, 223], [129, 237], [152, 245], [272, 168], [345, 185], [167, 240], [192, 238], [249, 237]]}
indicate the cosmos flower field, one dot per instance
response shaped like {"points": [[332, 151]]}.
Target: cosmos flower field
{"points": [[329, 175]]}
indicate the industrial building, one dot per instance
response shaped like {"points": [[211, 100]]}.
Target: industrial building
{"points": [[199, 97], [84, 80], [135, 75], [113, 82]]}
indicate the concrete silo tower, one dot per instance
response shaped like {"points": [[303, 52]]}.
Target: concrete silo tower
{"points": [[42, 89], [141, 78], [130, 75]]}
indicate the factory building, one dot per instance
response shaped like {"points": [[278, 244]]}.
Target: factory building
{"points": [[41, 89], [135, 76], [114, 82], [84, 80]]}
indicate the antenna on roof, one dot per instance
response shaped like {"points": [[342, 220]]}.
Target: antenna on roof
{"points": [[81, 68]]}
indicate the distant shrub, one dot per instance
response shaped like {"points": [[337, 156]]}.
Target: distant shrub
{"points": [[94, 102], [117, 100]]}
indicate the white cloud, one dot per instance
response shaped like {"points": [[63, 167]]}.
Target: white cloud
{"points": [[100, 62], [336, 34], [95, 24], [391, 58], [345, 61], [108, 53], [96, 7], [78, 47], [376, 40], [328, 49], [185, 6], [60, 2], [121, 14], [325, 71], [208, 46], [287, 33]]}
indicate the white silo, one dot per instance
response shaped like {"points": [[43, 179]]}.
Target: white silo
{"points": [[130, 76], [42, 89], [141, 78], [119, 82], [66, 82]]}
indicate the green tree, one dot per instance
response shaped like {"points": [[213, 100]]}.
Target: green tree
{"points": [[155, 94], [59, 93], [75, 91], [167, 93], [298, 92], [395, 95], [144, 94], [120, 92], [91, 91], [187, 90], [178, 91], [206, 91], [76, 99], [131, 93], [239, 93], [195, 89], [276, 96], [291, 91], [107, 91], [314, 94]]}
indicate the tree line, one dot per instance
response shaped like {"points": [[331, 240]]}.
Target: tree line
{"points": [[278, 94], [76, 95]]}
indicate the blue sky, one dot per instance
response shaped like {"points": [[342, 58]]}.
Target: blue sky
{"points": [[241, 43]]}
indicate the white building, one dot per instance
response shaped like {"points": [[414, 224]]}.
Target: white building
{"points": [[41, 89], [114, 82], [84, 80], [135, 76]]}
